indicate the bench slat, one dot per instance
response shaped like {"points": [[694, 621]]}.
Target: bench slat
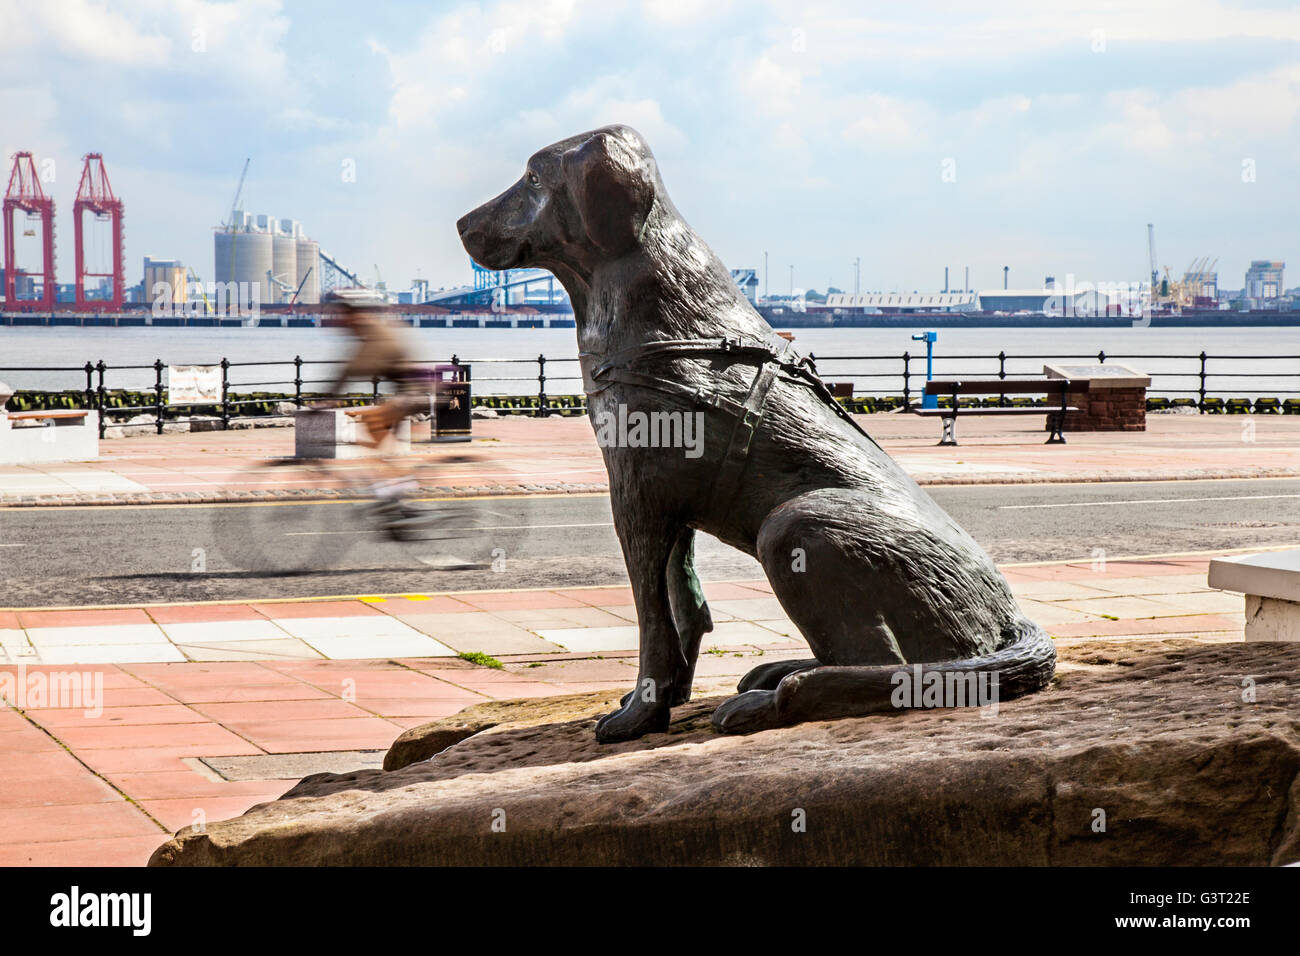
{"points": [[994, 386], [58, 414], [1013, 410]]}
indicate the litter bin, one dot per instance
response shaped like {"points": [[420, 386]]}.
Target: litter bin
{"points": [[449, 404]]}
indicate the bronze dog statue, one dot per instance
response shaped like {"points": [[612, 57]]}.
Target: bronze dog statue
{"points": [[875, 575]]}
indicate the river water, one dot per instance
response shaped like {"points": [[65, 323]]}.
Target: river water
{"points": [[1244, 361]]}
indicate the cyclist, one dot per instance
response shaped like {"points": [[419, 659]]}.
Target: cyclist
{"points": [[381, 352]]}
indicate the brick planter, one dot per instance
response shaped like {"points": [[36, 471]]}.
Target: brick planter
{"points": [[1116, 400], [1108, 410]]}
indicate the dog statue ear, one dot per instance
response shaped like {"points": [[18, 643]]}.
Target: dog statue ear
{"points": [[613, 188]]}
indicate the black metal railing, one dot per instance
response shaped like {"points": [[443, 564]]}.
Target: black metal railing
{"points": [[544, 386]]}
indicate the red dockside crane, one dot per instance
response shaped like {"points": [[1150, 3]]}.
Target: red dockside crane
{"points": [[96, 195], [25, 194]]}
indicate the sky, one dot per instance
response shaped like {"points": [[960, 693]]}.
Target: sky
{"points": [[1036, 135]]}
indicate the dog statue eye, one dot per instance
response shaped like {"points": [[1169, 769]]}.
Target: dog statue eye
{"points": [[533, 179]]}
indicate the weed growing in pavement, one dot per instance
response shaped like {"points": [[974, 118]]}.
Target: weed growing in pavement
{"points": [[478, 657]]}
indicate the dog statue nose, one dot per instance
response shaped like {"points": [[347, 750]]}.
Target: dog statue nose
{"points": [[462, 224]]}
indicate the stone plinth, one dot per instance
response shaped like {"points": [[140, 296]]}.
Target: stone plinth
{"points": [[1271, 584], [333, 433], [30, 438], [1116, 400], [1160, 737]]}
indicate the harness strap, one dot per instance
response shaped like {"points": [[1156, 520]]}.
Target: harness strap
{"points": [[772, 364], [727, 482], [626, 376], [739, 348]]}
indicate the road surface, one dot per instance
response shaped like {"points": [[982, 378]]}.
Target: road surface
{"points": [[74, 556]]}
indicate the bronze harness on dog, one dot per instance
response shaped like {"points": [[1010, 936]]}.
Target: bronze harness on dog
{"points": [[773, 363]]}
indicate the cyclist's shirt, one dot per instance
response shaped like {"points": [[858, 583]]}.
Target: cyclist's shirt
{"points": [[382, 353]]}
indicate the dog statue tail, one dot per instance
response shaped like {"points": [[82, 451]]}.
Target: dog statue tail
{"points": [[1025, 663]]}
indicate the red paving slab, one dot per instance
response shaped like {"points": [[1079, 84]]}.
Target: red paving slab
{"points": [[157, 759], [188, 674], [112, 675], [70, 785], [231, 693], [135, 697], [729, 591], [176, 814], [22, 825], [172, 713], [600, 597], [204, 738], [1181, 624], [390, 707], [115, 851], [300, 609], [518, 600], [96, 618], [188, 784], [206, 613], [253, 711], [16, 768], [432, 604]]}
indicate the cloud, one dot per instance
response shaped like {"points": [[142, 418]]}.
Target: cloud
{"points": [[89, 31], [807, 127], [881, 121]]}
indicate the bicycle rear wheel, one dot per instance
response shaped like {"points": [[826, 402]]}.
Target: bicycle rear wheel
{"points": [[458, 533], [311, 531]]}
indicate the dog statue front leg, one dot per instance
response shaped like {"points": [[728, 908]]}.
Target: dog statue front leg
{"points": [[646, 710], [691, 614]]}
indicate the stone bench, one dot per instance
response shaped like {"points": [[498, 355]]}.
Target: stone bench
{"points": [[337, 433], [28, 438], [1271, 584]]}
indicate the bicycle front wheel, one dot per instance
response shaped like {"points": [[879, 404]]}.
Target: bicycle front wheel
{"points": [[309, 519]]}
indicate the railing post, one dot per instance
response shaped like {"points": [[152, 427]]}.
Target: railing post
{"points": [[157, 394], [1201, 405], [374, 390], [907, 374], [225, 394], [90, 388], [1002, 374], [297, 380], [101, 399], [1101, 358], [542, 410]]}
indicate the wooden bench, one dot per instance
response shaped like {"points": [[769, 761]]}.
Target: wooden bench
{"points": [[65, 434], [41, 416], [1056, 390]]}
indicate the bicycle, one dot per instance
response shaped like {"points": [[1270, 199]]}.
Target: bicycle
{"points": [[334, 510]]}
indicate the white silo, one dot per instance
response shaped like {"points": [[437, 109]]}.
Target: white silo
{"points": [[284, 265], [245, 258], [309, 269]]}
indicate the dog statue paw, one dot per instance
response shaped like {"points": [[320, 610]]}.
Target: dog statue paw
{"points": [[634, 719]]}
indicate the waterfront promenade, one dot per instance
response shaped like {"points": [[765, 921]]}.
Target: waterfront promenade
{"points": [[516, 455]]}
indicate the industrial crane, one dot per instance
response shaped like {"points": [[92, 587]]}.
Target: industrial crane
{"points": [[234, 206], [207, 306], [286, 287], [1156, 288]]}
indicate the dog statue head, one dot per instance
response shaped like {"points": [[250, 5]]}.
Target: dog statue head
{"points": [[581, 201]]}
